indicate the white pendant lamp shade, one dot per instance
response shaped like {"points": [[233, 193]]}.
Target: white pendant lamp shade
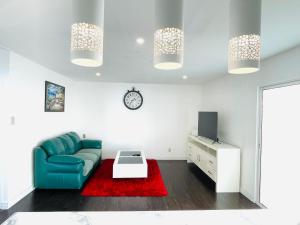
{"points": [[168, 36], [87, 33], [244, 40]]}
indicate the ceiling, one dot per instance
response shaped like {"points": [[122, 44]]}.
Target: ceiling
{"points": [[40, 31]]}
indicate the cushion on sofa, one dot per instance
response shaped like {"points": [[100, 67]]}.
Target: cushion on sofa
{"points": [[53, 146], [87, 156], [68, 143], [76, 140], [88, 166], [65, 159], [97, 152], [59, 168]]}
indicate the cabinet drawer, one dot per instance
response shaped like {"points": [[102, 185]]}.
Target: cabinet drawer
{"points": [[189, 151], [212, 174], [193, 152], [198, 160], [211, 163], [189, 148], [190, 155]]}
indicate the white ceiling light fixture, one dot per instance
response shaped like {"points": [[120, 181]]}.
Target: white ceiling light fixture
{"points": [[87, 33], [185, 77], [244, 41], [168, 35], [98, 74], [140, 40]]}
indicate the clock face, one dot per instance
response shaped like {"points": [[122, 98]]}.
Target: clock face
{"points": [[133, 99]]}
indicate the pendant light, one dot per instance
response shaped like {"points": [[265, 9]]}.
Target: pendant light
{"points": [[244, 39], [87, 33], [169, 35]]}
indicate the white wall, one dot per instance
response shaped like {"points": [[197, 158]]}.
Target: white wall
{"points": [[23, 89], [4, 69], [167, 115], [235, 98]]}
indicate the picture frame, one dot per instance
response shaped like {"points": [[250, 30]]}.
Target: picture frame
{"points": [[54, 97]]}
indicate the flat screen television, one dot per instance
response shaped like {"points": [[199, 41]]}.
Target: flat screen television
{"points": [[208, 125]]}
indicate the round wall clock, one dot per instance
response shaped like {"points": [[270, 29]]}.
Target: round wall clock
{"points": [[133, 99]]}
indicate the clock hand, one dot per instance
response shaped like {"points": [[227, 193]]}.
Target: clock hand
{"points": [[132, 100]]}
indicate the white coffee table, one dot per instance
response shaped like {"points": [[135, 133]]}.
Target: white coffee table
{"points": [[130, 164]]}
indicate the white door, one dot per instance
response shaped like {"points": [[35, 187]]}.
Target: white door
{"points": [[280, 147]]}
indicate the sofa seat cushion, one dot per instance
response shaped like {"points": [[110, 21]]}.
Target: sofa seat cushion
{"points": [[68, 143], [54, 146], [97, 152], [88, 166], [87, 156]]}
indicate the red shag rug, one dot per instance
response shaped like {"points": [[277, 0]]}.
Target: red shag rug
{"points": [[102, 183]]}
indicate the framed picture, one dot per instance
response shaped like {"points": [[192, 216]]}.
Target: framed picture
{"points": [[54, 97]]}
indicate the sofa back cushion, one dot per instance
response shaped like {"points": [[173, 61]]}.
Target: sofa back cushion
{"points": [[76, 140], [53, 146], [68, 143]]}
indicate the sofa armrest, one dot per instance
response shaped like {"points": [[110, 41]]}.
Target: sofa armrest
{"points": [[91, 144], [64, 159]]}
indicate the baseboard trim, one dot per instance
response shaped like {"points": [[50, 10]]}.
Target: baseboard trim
{"points": [[4, 205], [158, 157], [169, 158], [21, 195]]}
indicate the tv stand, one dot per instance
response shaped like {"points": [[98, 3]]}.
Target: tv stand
{"points": [[219, 161]]}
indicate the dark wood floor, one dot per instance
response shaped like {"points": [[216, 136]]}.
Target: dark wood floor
{"points": [[188, 187]]}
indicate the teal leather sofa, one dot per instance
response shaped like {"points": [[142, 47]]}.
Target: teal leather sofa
{"points": [[65, 162]]}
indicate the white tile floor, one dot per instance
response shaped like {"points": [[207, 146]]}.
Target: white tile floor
{"points": [[203, 217]]}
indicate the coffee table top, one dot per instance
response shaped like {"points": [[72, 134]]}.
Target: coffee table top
{"points": [[130, 153], [130, 157], [130, 160]]}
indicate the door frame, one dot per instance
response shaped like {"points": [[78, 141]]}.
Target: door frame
{"points": [[258, 153]]}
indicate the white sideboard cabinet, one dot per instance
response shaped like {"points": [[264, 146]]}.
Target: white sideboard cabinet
{"points": [[220, 161]]}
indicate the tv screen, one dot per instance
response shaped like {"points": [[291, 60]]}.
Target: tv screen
{"points": [[208, 125]]}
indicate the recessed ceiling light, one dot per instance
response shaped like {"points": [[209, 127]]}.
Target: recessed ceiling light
{"points": [[184, 77], [140, 40], [98, 74]]}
